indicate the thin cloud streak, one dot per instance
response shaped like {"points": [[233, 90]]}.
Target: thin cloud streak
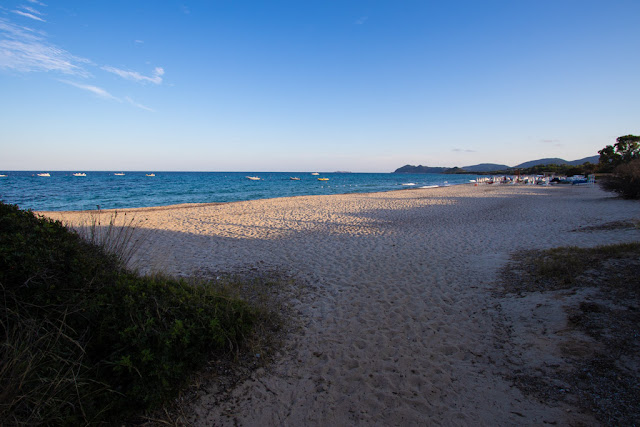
{"points": [[31, 10], [28, 15], [93, 89], [135, 104], [155, 78]]}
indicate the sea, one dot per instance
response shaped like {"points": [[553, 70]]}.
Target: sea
{"points": [[62, 191]]}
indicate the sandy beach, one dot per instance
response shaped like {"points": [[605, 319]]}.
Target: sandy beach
{"points": [[400, 322]]}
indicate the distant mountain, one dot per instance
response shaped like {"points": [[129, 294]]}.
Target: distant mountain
{"points": [[485, 167], [550, 161], [557, 161], [494, 167], [592, 159], [419, 169]]}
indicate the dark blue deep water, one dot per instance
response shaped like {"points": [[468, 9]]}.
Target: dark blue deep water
{"points": [[63, 191]]}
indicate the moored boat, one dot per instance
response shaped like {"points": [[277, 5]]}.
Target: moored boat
{"points": [[44, 174], [151, 174], [323, 179], [294, 178], [119, 174], [79, 174], [315, 173], [254, 178]]}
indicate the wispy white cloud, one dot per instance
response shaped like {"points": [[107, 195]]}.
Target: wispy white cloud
{"points": [[361, 20], [36, 2], [138, 41], [31, 10], [155, 78], [102, 93], [28, 15], [93, 89], [25, 50], [137, 105], [458, 150]]}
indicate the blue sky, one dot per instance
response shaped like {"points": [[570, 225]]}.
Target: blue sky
{"points": [[313, 85]]}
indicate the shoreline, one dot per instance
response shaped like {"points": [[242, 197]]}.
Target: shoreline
{"points": [[205, 204], [399, 324], [69, 193]]}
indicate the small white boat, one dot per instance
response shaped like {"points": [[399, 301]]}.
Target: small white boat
{"points": [[3, 176], [151, 174], [79, 174], [294, 178], [118, 174], [315, 173], [254, 178], [44, 174]]}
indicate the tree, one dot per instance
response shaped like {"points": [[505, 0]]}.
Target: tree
{"points": [[626, 149]]}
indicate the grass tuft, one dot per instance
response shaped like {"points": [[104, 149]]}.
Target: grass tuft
{"points": [[565, 267], [115, 232]]}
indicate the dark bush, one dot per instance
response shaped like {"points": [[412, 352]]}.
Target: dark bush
{"points": [[84, 341], [625, 180]]}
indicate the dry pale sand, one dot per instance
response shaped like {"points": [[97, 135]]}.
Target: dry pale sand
{"points": [[400, 326]]}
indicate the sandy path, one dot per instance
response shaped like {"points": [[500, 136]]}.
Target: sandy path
{"points": [[400, 328]]}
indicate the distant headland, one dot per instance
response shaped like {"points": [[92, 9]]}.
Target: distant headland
{"points": [[494, 167]]}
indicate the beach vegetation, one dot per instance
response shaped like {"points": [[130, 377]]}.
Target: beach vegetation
{"points": [[625, 180], [116, 232], [621, 164], [602, 379], [566, 267], [84, 340]]}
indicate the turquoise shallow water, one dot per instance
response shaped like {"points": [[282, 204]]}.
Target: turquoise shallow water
{"points": [[63, 191]]}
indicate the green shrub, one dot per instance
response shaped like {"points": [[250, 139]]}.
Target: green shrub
{"points": [[170, 329], [86, 341], [625, 180]]}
